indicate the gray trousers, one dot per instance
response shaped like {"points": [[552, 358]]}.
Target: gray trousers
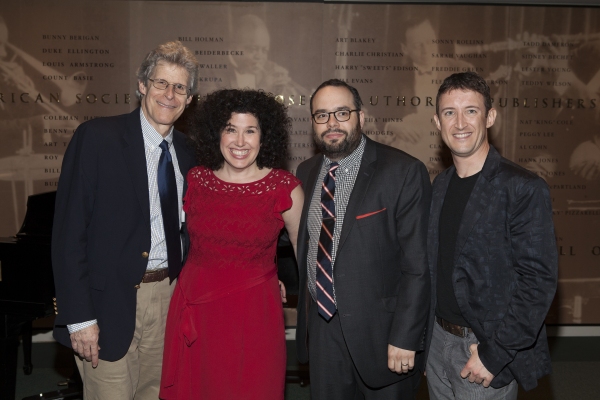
{"points": [[448, 355]]}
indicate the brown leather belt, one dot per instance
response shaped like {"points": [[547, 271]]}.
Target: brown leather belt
{"points": [[156, 276], [456, 330]]}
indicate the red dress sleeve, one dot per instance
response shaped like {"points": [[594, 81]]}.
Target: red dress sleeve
{"points": [[287, 183]]}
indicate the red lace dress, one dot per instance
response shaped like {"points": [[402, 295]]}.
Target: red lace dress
{"points": [[225, 336]]}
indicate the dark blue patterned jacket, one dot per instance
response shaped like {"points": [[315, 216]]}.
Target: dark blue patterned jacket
{"points": [[505, 267]]}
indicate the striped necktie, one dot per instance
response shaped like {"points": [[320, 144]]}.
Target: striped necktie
{"points": [[324, 281]]}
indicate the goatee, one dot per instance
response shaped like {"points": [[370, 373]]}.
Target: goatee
{"points": [[342, 147]]}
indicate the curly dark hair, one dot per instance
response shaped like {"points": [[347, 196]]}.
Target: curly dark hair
{"points": [[214, 111]]}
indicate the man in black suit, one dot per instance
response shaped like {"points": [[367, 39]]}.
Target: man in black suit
{"points": [[492, 255], [364, 283], [116, 238]]}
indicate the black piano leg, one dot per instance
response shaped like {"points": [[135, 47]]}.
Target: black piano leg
{"points": [[9, 343], [26, 335]]}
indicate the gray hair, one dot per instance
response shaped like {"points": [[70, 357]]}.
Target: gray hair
{"points": [[172, 53]]}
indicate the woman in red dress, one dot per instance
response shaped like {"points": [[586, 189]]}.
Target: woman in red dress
{"points": [[225, 335]]}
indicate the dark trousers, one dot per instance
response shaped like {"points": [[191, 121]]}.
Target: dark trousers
{"points": [[333, 375]]}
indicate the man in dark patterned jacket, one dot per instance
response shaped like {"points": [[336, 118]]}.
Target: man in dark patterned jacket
{"points": [[492, 257]]}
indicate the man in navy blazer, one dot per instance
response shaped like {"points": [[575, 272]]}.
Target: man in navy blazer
{"points": [[492, 256], [110, 254], [367, 341]]}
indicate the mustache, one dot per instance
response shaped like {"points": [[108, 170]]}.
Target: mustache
{"points": [[337, 130]]}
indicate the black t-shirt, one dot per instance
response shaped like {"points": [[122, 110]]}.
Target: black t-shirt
{"points": [[457, 196]]}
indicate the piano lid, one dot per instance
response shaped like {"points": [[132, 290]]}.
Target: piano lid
{"points": [[39, 217]]}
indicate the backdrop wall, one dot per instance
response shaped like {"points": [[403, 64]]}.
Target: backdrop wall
{"points": [[64, 62]]}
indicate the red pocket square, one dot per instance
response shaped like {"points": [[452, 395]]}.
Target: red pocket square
{"points": [[371, 213]]}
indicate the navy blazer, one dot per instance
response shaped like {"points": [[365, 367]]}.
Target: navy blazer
{"points": [[101, 234], [505, 267], [380, 272]]}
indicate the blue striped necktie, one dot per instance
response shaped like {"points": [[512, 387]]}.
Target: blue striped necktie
{"points": [[324, 281], [169, 205]]}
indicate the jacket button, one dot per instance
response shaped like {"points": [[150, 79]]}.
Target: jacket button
{"points": [[145, 254]]}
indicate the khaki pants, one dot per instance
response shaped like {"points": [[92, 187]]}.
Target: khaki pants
{"points": [[137, 374]]}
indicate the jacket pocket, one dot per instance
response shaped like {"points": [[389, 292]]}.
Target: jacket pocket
{"points": [[371, 217], [369, 214]]}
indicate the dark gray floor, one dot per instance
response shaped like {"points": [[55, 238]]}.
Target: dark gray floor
{"points": [[576, 376]]}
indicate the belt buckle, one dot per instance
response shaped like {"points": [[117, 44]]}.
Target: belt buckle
{"points": [[456, 330], [155, 276]]}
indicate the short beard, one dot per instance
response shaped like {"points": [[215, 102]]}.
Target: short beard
{"points": [[343, 147]]}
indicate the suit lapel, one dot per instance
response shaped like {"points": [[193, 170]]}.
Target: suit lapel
{"points": [[309, 185], [135, 160], [480, 199], [185, 160], [437, 201], [309, 181], [360, 190]]}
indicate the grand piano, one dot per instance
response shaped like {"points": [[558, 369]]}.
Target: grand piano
{"points": [[26, 286]]}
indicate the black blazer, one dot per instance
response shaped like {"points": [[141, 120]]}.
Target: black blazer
{"points": [[101, 233], [505, 267], [380, 272]]}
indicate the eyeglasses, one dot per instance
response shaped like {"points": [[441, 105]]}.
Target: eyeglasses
{"points": [[340, 115], [161, 84]]}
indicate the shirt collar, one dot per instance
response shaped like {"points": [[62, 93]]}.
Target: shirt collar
{"points": [[151, 137], [353, 159]]}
